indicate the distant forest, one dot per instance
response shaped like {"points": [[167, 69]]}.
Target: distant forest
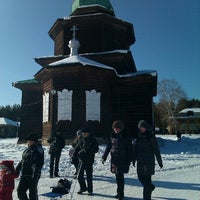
{"points": [[11, 112]]}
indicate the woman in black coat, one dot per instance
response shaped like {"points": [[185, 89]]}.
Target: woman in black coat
{"points": [[120, 147], [145, 151]]}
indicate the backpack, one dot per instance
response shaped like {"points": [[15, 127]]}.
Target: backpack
{"points": [[63, 187]]}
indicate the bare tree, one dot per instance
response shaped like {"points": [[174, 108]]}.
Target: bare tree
{"points": [[161, 117], [169, 93]]}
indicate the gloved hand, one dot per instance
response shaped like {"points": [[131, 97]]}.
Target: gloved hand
{"points": [[161, 165]]}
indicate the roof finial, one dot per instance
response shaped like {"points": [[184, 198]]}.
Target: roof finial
{"points": [[74, 43], [74, 29]]}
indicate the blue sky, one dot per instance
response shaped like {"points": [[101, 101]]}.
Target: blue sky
{"points": [[167, 39]]}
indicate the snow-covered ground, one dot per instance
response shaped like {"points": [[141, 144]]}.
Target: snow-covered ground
{"points": [[178, 180]]}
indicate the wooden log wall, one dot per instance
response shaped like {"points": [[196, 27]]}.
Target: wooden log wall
{"points": [[31, 114], [79, 79], [132, 102]]}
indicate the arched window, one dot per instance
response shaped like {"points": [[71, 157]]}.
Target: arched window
{"points": [[93, 106], [45, 107], [65, 105]]}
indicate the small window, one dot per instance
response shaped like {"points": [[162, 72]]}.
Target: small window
{"points": [[45, 107], [65, 105], [93, 106]]}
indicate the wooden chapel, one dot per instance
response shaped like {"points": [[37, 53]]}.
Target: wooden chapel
{"points": [[91, 80]]}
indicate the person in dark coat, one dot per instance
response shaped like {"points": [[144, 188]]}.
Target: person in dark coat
{"points": [[145, 151], [178, 135], [74, 158], [85, 150], [57, 143], [30, 168], [120, 146]]}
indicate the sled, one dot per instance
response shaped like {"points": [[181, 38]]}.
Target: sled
{"points": [[62, 190], [68, 195]]}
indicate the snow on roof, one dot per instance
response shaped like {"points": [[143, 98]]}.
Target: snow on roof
{"points": [[85, 61], [105, 52], [6, 121], [85, 54], [50, 56], [188, 117], [195, 110], [92, 5], [82, 60], [140, 73]]}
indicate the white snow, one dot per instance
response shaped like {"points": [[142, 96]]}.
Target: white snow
{"points": [[178, 180], [195, 110], [122, 51], [84, 61], [81, 60], [140, 73], [6, 121]]}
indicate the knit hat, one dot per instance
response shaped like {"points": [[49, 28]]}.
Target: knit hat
{"points": [[143, 124], [33, 137], [85, 130]]}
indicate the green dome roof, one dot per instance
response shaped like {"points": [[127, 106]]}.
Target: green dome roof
{"points": [[78, 3]]}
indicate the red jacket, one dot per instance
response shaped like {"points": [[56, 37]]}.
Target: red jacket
{"points": [[7, 176], [7, 181]]}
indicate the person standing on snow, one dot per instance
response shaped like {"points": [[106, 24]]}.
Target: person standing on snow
{"points": [[74, 158], [178, 135], [30, 168], [57, 143], [120, 146], [145, 151], [7, 179], [85, 150]]}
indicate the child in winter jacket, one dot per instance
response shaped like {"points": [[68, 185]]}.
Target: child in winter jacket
{"points": [[7, 176]]}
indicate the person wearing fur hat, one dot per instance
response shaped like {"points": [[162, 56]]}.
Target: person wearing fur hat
{"points": [[120, 146], [30, 169], [7, 176], [145, 151]]}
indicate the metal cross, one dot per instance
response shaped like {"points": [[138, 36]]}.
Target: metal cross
{"points": [[74, 29]]}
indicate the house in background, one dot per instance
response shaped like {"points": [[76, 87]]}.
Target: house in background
{"points": [[188, 121], [8, 128]]}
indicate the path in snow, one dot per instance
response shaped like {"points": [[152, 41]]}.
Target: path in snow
{"points": [[178, 180]]}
